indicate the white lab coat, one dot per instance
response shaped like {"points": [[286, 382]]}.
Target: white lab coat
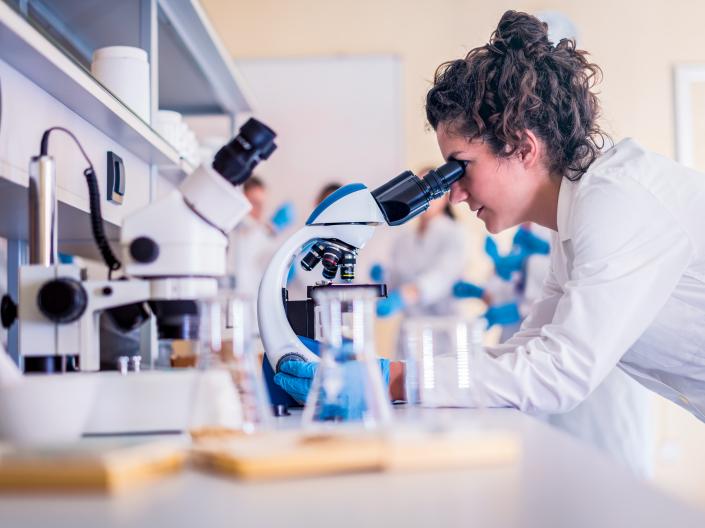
{"points": [[616, 417], [432, 262], [251, 245], [626, 288]]}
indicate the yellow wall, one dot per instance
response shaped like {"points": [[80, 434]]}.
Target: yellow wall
{"points": [[636, 42]]}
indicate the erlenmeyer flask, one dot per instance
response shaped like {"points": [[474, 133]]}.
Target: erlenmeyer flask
{"points": [[348, 385], [229, 394]]}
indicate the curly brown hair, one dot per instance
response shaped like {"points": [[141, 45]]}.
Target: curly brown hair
{"points": [[520, 81]]}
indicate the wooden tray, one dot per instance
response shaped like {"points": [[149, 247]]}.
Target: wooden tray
{"points": [[88, 465], [290, 454]]}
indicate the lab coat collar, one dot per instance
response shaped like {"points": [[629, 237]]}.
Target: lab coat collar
{"points": [[565, 205]]}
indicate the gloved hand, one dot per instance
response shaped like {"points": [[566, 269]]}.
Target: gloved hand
{"points": [[491, 248], [505, 266], [296, 377], [283, 216], [529, 243], [467, 290], [502, 314], [377, 273], [393, 303]]}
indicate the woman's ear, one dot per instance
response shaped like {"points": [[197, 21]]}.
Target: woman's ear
{"points": [[530, 149]]}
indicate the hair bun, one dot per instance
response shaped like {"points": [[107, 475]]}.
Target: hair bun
{"points": [[521, 31]]}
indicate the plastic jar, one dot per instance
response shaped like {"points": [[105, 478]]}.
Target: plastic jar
{"points": [[124, 70]]}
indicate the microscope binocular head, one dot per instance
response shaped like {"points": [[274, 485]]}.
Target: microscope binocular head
{"points": [[236, 160]]}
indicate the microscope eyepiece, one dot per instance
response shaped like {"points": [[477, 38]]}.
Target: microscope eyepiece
{"points": [[404, 197], [440, 179], [236, 160]]}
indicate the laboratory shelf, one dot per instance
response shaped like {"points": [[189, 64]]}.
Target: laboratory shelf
{"points": [[29, 52], [196, 73]]}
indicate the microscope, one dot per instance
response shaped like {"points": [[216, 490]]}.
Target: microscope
{"points": [[333, 235], [174, 252]]}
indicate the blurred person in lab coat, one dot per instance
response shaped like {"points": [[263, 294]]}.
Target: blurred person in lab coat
{"points": [[626, 285], [616, 417], [426, 259], [255, 239]]}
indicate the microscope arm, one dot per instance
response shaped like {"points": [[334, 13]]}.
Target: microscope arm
{"points": [[279, 340], [102, 295]]}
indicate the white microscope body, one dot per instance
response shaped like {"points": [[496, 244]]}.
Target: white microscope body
{"points": [[346, 220], [174, 252], [349, 215]]}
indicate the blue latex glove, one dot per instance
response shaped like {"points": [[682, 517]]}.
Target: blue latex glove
{"points": [[491, 248], [393, 303], [296, 377], [503, 314], [377, 273], [467, 290], [283, 216], [505, 266], [530, 243]]}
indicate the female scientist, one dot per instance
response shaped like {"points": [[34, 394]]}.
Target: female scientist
{"points": [[626, 286]]}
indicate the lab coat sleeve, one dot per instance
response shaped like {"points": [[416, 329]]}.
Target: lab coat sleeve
{"points": [[625, 256], [436, 282], [540, 313]]}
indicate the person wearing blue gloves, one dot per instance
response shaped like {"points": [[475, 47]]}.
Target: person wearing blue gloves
{"points": [[427, 258], [296, 378], [503, 292]]}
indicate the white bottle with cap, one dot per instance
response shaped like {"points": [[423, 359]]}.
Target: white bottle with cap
{"points": [[124, 70]]}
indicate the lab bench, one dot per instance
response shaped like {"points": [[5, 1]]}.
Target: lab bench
{"points": [[558, 482]]}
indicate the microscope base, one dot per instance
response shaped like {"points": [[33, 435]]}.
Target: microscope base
{"points": [[167, 401]]}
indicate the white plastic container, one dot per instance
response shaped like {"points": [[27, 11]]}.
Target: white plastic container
{"points": [[124, 70], [168, 124], [46, 409]]}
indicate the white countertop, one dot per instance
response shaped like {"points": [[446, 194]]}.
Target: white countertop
{"points": [[558, 482]]}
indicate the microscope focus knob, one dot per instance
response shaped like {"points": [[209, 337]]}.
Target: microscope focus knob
{"points": [[144, 250], [62, 300]]}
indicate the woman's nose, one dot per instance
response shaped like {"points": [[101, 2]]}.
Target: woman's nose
{"points": [[457, 193]]}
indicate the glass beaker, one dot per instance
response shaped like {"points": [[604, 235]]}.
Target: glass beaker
{"points": [[229, 393], [348, 385], [445, 361]]}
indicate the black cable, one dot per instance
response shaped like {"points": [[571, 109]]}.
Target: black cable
{"points": [[94, 200]]}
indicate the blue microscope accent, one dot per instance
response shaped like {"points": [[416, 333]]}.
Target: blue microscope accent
{"points": [[332, 198]]}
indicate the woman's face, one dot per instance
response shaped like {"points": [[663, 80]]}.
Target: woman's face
{"points": [[498, 189]]}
